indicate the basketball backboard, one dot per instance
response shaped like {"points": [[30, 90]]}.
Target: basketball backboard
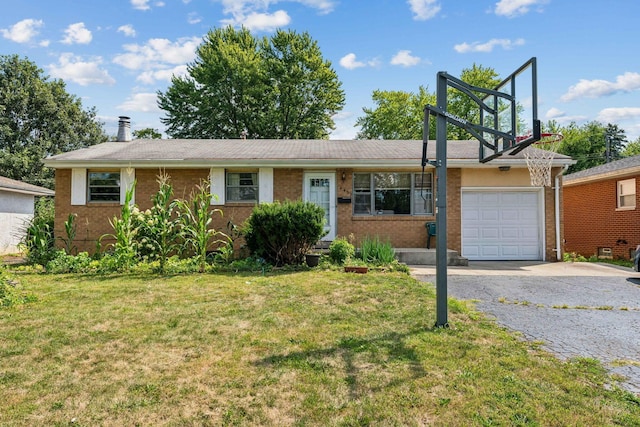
{"points": [[509, 114]]}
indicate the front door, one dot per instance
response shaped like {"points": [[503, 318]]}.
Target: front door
{"points": [[320, 188]]}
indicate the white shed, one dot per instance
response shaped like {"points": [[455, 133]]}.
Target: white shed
{"points": [[17, 202]]}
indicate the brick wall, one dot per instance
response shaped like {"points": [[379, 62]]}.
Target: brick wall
{"points": [[591, 220], [401, 231]]}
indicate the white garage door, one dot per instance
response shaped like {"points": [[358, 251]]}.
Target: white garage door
{"points": [[501, 225]]}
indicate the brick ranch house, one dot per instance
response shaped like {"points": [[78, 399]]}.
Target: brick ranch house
{"points": [[367, 188], [602, 215]]}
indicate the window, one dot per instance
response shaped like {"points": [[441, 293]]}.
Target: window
{"points": [[242, 187], [627, 194], [104, 186], [392, 194], [423, 194]]}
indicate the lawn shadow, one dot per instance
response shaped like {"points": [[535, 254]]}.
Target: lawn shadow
{"points": [[360, 356]]}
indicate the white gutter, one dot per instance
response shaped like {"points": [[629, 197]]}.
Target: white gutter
{"points": [[557, 211]]}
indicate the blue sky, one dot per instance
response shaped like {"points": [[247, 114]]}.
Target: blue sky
{"points": [[115, 55]]}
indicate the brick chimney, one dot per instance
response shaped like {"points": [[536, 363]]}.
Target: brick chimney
{"points": [[124, 129]]}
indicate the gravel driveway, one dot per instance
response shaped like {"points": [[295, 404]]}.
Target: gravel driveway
{"points": [[575, 309]]}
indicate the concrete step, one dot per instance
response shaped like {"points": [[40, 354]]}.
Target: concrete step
{"points": [[423, 256]]}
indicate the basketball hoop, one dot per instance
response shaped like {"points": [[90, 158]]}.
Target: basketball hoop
{"points": [[539, 156]]}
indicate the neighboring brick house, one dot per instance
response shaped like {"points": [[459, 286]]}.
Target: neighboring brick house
{"points": [[367, 188], [17, 204], [601, 210]]}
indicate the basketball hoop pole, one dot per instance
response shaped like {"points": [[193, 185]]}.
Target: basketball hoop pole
{"points": [[441, 203]]}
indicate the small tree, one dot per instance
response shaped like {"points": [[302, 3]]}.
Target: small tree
{"points": [[282, 233]]}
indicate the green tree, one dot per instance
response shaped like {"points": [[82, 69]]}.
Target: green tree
{"points": [[147, 133], [399, 115], [278, 87], [585, 144], [615, 140], [465, 107], [632, 148], [38, 118]]}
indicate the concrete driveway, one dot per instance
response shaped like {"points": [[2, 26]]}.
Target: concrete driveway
{"points": [[575, 309]]}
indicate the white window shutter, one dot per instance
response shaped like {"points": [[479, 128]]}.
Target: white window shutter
{"points": [[78, 186], [216, 178], [265, 185], [127, 178]]}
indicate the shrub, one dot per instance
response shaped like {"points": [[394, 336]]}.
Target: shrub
{"points": [[65, 263], [341, 250], [282, 233], [375, 251]]}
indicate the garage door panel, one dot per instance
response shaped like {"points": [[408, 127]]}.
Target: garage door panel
{"points": [[512, 233], [501, 225]]}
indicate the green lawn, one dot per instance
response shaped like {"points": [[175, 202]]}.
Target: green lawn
{"points": [[317, 348]]}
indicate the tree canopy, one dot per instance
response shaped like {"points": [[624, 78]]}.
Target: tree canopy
{"points": [[399, 115], [278, 87], [38, 118], [147, 133], [591, 144]]}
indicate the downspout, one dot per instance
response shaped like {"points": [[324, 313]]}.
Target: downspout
{"points": [[557, 206]]}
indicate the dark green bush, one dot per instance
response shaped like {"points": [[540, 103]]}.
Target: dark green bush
{"points": [[282, 233], [341, 250]]}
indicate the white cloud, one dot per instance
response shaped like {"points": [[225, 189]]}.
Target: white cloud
{"points": [[44, 43], [254, 14], [612, 115], [424, 9], [350, 63], [140, 4], [73, 68], [562, 118], [266, 21], [553, 113], [141, 102], [626, 82], [127, 30], [23, 31], [487, 47], [513, 8], [151, 76], [77, 33], [194, 18], [405, 59], [157, 53]]}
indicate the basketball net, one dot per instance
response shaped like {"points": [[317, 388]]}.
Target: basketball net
{"points": [[539, 156]]}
